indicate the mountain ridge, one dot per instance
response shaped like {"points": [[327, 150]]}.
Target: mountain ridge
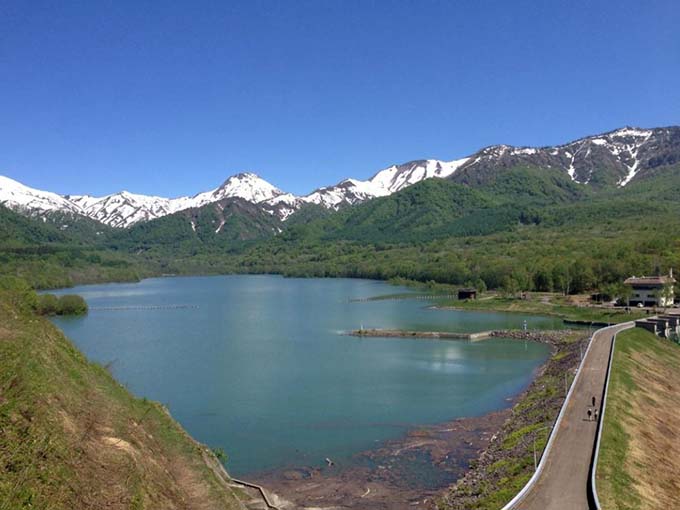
{"points": [[611, 159]]}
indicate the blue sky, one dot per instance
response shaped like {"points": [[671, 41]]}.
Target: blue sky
{"points": [[172, 97]]}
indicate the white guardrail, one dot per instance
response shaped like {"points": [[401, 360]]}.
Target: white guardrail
{"points": [[593, 467], [544, 456]]}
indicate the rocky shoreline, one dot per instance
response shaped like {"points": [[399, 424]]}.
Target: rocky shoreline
{"points": [[507, 463], [386, 478], [443, 466]]}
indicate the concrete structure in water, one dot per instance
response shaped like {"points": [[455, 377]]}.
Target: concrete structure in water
{"points": [[652, 290]]}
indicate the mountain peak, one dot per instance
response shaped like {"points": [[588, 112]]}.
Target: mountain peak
{"points": [[609, 159], [246, 185], [631, 131], [242, 176]]}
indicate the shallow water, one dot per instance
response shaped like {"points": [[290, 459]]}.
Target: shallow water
{"points": [[258, 367]]}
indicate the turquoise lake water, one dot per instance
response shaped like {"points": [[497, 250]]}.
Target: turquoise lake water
{"points": [[258, 365]]}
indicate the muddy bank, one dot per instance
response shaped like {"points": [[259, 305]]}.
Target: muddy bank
{"points": [[405, 473]]}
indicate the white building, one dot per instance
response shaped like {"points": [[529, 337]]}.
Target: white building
{"points": [[652, 290]]}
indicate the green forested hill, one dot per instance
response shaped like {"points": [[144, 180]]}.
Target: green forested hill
{"points": [[217, 226], [518, 233], [47, 256], [416, 213], [522, 228], [17, 230]]}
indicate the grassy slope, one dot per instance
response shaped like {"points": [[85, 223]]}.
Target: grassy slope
{"points": [[639, 466], [72, 437], [556, 305]]}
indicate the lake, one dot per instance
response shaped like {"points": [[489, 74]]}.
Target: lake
{"points": [[258, 365]]}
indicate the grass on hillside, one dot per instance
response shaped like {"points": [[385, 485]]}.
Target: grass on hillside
{"points": [[639, 465], [72, 437]]}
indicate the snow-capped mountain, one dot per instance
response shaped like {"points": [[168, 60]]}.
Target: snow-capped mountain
{"points": [[247, 186], [282, 206], [612, 159], [397, 177], [31, 201], [385, 182], [124, 209], [346, 192]]}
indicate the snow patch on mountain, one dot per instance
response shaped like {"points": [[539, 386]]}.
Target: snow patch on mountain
{"points": [[398, 177], [19, 197], [282, 205], [124, 209], [623, 144], [633, 150], [247, 186], [346, 192], [623, 153], [385, 182], [629, 131]]}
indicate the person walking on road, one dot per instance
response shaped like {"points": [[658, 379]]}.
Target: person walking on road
{"points": [[593, 400], [595, 414], [590, 413]]}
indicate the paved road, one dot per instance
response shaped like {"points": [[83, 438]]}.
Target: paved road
{"points": [[563, 484]]}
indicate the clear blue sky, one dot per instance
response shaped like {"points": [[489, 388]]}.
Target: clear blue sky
{"points": [[173, 97]]}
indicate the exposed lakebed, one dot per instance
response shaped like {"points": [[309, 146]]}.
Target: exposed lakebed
{"points": [[257, 365]]}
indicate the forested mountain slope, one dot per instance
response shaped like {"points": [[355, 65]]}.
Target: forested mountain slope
{"points": [[519, 225], [218, 225], [607, 161]]}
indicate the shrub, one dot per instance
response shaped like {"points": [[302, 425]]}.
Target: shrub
{"points": [[71, 304], [48, 304]]}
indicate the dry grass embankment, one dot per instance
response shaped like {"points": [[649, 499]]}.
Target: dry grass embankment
{"points": [[72, 437], [639, 466]]}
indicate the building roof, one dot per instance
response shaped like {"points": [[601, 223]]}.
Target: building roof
{"points": [[649, 280]]}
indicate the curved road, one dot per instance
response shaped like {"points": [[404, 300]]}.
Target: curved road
{"points": [[563, 482]]}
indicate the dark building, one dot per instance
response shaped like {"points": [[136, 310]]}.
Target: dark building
{"points": [[467, 293]]}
